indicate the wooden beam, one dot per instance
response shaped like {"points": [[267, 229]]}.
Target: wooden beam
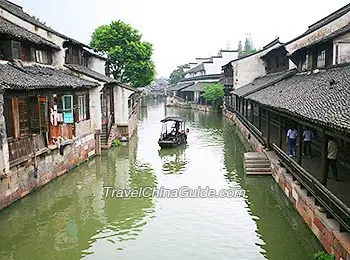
{"points": [[295, 118], [252, 111], [300, 142], [268, 128], [246, 109], [259, 117], [324, 157], [280, 138]]}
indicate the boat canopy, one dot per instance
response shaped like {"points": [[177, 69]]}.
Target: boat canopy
{"points": [[173, 118]]}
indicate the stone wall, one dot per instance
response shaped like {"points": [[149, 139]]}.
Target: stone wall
{"points": [[325, 229], [20, 179], [248, 137]]}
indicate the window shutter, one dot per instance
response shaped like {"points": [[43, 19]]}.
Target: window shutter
{"points": [[44, 118], [34, 115], [76, 108], [87, 107]]}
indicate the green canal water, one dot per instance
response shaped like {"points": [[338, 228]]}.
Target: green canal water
{"points": [[70, 218]]}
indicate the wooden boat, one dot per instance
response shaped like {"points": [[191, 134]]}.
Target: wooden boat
{"points": [[173, 132]]}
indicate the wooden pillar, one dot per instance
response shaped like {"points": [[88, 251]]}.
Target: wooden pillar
{"points": [[252, 111], [246, 109], [268, 128], [300, 142], [259, 117], [324, 157], [280, 137]]}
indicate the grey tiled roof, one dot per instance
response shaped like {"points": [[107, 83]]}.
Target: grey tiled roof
{"points": [[341, 31], [36, 77], [313, 97], [18, 11], [199, 86], [90, 73], [333, 16], [180, 86], [19, 33], [261, 82], [324, 21], [199, 67]]}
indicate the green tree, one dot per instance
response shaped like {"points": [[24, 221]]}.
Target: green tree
{"points": [[176, 75], [130, 57], [248, 46], [240, 49], [214, 93]]}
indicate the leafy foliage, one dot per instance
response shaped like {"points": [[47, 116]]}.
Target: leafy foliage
{"points": [[176, 75], [323, 256], [214, 93], [248, 47], [130, 57]]}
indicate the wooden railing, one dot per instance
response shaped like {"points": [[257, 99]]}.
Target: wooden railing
{"points": [[334, 206], [252, 128]]}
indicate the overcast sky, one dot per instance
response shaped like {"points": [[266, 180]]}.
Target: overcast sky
{"points": [[182, 30]]}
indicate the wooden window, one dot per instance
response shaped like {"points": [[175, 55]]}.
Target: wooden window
{"points": [[34, 115], [67, 103], [9, 119], [43, 56], [44, 114], [2, 50], [83, 110], [26, 52], [16, 50], [23, 116], [305, 63], [321, 59]]}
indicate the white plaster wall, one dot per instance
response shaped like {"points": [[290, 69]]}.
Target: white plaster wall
{"points": [[343, 44], [94, 100], [318, 34], [247, 69], [58, 57], [4, 152], [121, 111], [95, 107], [97, 64]]}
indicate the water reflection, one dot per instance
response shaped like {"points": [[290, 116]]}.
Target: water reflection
{"points": [[278, 224], [71, 218], [174, 160], [67, 218]]}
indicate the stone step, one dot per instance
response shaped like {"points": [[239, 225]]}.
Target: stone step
{"points": [[258, 173], [257, 165], [258, 169], [257, 160]]}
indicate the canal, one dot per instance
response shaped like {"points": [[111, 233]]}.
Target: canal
{"points": [[71, 218]]}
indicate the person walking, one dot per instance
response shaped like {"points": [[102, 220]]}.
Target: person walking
{"points": [[291, 141], [308, 135], [332, 152]]}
